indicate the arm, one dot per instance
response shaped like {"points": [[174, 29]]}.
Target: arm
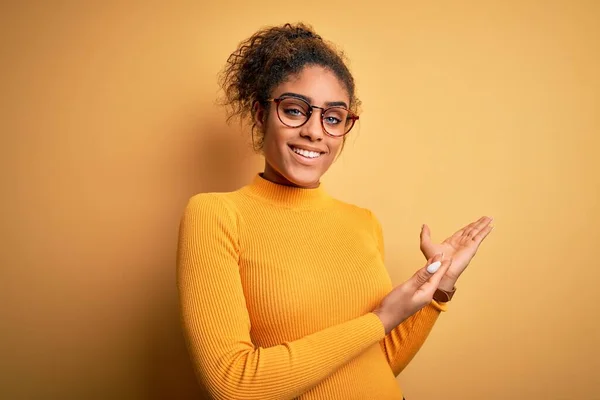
{"points": [[403, 342], [217, 325]]}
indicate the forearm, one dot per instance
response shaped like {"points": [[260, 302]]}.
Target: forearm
{"points": [[403, 342], [231, 368]]}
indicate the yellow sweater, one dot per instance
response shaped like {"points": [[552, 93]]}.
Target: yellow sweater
{"points": [[277, 285]]}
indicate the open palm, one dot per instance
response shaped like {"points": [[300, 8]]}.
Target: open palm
{"points": [[460, 247]]}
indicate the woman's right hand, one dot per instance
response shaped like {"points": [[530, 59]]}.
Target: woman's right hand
{"points": [[408, 298]]}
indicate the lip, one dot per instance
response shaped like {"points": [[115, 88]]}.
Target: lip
{"points": [[308, 148], [303, 160]]}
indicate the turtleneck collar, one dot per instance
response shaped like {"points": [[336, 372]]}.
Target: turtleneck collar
{"points": [[287, 196]]}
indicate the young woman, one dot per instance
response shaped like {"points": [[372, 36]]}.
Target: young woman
{"points": [[283, 289]]}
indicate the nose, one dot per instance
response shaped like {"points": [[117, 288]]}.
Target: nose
{"points": [[312, 129]]}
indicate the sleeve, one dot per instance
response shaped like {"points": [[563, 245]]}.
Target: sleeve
{"points": [[404, 341], [216, 323]]}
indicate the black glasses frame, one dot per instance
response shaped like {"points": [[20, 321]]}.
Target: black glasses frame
{"points": [[353, 117]]}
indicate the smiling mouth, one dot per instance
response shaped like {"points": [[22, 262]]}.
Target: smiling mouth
{"points": [[306, 153]]}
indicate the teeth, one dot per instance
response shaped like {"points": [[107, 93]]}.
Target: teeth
{"points": [[306, 153]]}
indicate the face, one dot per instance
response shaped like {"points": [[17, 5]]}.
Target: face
{"points": [[300, 156]]}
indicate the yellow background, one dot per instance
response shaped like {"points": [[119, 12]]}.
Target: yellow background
{"points": [[109, 125]]}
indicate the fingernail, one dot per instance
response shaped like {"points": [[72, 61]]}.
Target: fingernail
{"points": [[431, 268]]}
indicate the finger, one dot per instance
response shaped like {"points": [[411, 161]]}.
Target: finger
{"points": [[424, 274], [469, 227], [475, 227], [426, 246], [425, 233], [482, 234], [434, 280], [482, 223], [461, 232]]}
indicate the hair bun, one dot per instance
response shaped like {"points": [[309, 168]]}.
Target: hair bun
{"points": [[300, 31]]}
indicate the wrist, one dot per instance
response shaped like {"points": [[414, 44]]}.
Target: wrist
{"points": [[443, 296], [447, 283], [445, 290], [384, 320]]}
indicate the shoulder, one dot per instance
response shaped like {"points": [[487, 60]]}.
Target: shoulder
{"points": [[211, 199], [208, 224], [212, 206]]}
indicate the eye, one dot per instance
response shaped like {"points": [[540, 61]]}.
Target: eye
{"points": [[335, 116], [293, 108], [293, 111], [332, 120]]}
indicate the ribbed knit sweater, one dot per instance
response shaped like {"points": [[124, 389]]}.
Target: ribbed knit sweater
{"points": [[277, 287]]}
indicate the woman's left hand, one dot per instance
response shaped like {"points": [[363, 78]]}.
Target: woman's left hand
{"points": [[460, 247]]}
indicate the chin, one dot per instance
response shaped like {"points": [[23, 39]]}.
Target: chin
{"points": [[304, 177]]}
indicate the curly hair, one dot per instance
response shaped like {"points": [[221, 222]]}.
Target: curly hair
{"points": [[268, 58]]}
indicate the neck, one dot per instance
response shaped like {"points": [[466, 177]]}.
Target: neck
{"points": [[289, 196], [272, 175]]}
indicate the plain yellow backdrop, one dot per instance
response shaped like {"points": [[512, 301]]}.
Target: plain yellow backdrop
{"points": [[109, 125]]}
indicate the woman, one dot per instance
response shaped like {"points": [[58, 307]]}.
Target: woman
{"points": [[283, 289]]}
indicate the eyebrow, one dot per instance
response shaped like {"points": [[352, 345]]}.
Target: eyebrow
{"points": [[309, 100]]}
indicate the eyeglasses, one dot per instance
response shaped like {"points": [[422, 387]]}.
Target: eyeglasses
{"points": [[294, 112]]}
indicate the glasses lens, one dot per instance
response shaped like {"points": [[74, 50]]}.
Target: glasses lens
{"points": [[337, 121], [292, 112]]}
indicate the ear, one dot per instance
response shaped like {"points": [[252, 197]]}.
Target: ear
{"points": [[259, 113]]}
